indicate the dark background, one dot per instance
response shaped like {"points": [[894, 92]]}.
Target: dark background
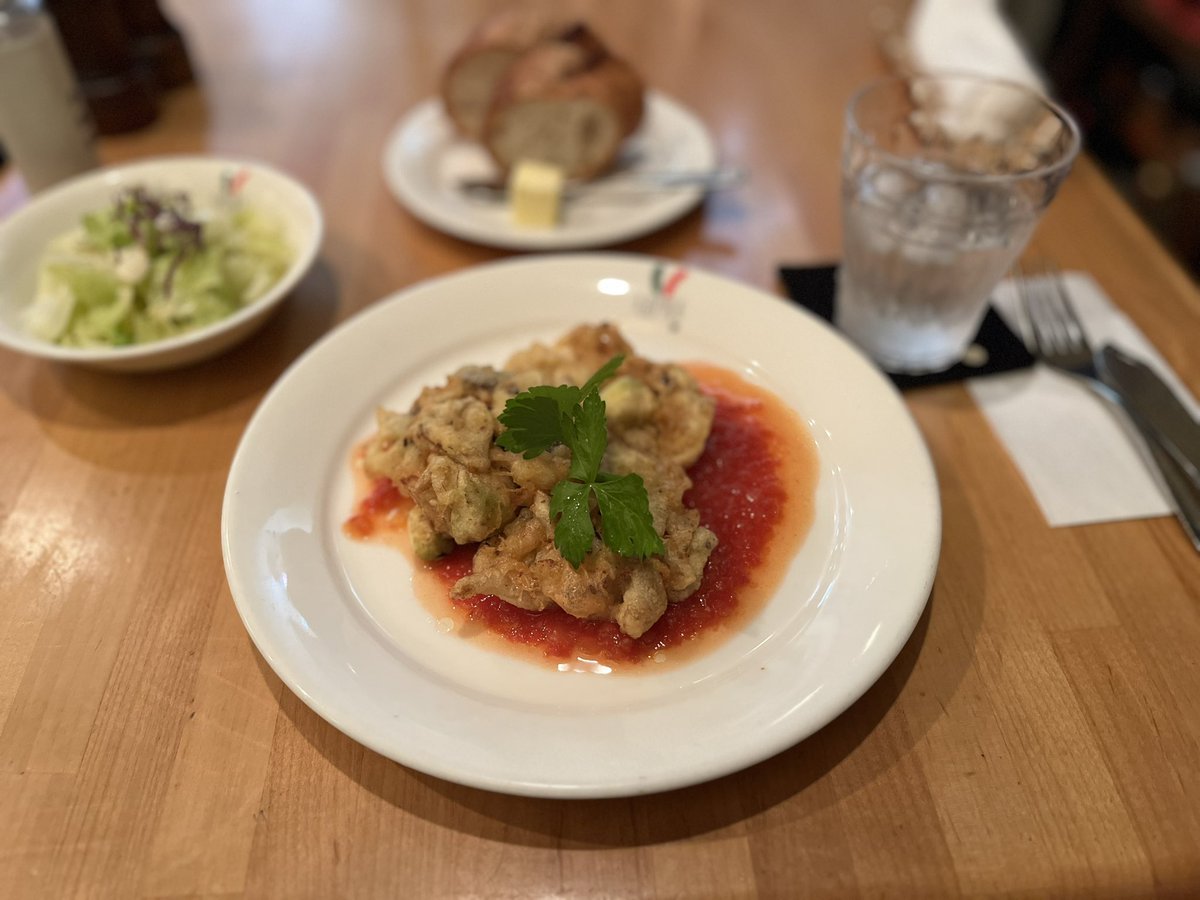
{"points": [[1130, 72]]}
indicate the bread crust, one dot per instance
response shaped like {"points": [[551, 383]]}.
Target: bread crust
{"points": [[563, 72], [523, 56], [509, 33]]}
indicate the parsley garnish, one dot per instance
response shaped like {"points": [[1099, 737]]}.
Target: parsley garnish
{"points": [[543, 417]]}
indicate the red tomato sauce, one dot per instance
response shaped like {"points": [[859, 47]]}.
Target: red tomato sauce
{"points": [[373, 511], [752, 486]]}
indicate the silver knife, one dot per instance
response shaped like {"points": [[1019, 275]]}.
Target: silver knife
{"points": [[1155, 404], [1184, 490], [633, 183]]}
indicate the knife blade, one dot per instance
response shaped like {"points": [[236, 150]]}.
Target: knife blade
{"points": [[1155, 403], [1184, 490]]}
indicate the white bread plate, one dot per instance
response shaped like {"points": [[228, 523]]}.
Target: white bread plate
{"points": [[25, 235], [425, 162]]}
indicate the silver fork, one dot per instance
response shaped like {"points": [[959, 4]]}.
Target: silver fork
{"points": [[1060, 342]]}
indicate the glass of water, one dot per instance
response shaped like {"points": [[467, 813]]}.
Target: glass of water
{"points": [[944, 178]]}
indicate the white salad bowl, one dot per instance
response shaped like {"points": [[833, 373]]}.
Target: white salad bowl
{"points": [[25, 235]]}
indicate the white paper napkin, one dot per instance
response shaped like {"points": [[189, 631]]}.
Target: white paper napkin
{"points": [[1076, 454], [967, 36]]}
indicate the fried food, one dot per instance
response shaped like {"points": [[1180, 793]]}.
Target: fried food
{"points": [[442, 453]]}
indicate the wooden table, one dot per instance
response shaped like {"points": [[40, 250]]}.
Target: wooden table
{"points": [[1039, 734]]}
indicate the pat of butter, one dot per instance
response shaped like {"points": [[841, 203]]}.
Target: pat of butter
{"points": [[535, 193]]}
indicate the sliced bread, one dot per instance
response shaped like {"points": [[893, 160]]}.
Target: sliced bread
{"points": [[469, 81], [567, 103]]}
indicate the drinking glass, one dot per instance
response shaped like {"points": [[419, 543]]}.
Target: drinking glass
{"points": [[944, 178]]}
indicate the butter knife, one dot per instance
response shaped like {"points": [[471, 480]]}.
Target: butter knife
{"points": [[638, 183]]}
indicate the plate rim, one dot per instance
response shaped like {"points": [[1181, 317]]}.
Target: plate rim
{"points": [[891, 644]]}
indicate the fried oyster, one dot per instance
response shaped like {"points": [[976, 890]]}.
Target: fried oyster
{"points": [[442, 453]]}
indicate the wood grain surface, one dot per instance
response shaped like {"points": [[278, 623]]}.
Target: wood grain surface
{"points": [[1039, 735]]}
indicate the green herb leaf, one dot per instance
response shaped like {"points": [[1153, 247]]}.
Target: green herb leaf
{"points": [[626, 524], [534, 424], [565, 395], [590, 439], [570, 510], [543, 417]]}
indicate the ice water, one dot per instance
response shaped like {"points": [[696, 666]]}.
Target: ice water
{"points": [[921, 256]]}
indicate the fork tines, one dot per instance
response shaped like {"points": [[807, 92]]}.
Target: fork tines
{"points": [[1052, 319]]}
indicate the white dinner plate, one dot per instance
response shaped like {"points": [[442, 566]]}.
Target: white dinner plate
{"points": [[338, 621], [424, 162]]}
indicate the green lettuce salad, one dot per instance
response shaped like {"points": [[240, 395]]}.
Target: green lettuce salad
{"points": [[150, 267]]}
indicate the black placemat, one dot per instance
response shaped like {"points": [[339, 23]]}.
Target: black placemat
{"points": [[814, 288]]}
